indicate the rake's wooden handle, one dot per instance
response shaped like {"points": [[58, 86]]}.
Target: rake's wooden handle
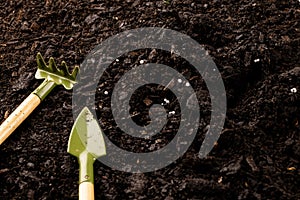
{"points": [[86, 191], [18, 116]]}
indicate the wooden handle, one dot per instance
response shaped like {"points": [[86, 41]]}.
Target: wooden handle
{"points": [[86, 191], [18, 116]]}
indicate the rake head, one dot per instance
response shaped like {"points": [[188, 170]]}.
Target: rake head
{"points": [[60, 76]]}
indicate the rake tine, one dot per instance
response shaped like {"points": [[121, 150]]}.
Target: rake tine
{"points": [[75, 72], [41, 62], [52, 65], [64, 69]]}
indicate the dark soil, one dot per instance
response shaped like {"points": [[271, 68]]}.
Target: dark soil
{"points": [[255, 45]]}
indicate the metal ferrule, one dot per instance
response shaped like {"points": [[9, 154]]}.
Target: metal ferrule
{"points": [[44, 89], [86, 173]]}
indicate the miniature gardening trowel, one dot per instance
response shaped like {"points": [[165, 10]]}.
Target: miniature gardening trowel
{"points": [[53, 76], [86, 142]]}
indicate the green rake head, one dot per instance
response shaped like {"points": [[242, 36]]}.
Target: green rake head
{"points": [[60, 76]]}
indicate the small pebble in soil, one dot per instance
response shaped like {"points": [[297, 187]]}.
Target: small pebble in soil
{"points": [[142, 62], [14, 74], [30, 165], [158, 141], [179, 80], [172, 113], [167, 101], [291, 168], [3, 170], [256, 60], [220, 179], [187, 84], [293, 90], [106, 92]]}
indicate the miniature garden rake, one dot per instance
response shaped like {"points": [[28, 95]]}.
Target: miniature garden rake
{"points": [[53, 76]]}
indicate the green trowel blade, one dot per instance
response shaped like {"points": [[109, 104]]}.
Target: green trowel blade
{"points": [[86, 136]]}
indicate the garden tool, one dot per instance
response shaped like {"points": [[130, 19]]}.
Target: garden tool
{"points": [[53, 76], [86, 142]]}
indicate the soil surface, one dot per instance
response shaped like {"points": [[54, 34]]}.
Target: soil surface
{"points": [[255, 45]]}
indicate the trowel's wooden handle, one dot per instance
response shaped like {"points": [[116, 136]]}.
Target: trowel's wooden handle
{"points": [[18, 116], [86, 191]]}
